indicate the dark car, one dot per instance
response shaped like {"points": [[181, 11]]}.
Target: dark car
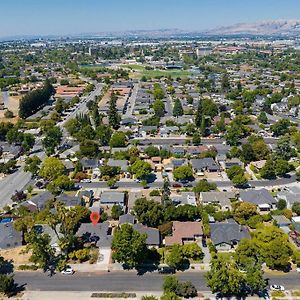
{"points": [[166, 270], [177, 185], [204, 244]]}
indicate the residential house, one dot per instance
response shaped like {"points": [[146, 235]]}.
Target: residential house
{"points": [[9, 237], [222, 199], [112, 198], [226, 235], [204, 164], [120, 163], [262, 198], [153, 234], [39, 201], [126, 219], [89, 164], [184, 232], [99, 234], [70, 201], [282, 222], [184, 198]]}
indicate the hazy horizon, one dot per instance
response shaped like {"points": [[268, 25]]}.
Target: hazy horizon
{"points": [[36, 18]]}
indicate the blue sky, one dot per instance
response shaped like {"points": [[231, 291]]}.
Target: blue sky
{"points": [[23, 17]]}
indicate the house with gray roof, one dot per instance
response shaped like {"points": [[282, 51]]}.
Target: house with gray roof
{"points": [[99, 234], [226, 236], [184, 198], [120, 163], [89, 164], [9, 237], [39, 200], [112, 198], [153, 234], [204, 164], [223, 199], [126, 219], [262, 198], [69, 201]]}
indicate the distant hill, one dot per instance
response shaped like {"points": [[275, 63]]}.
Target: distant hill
{"points": [[280, 27]]}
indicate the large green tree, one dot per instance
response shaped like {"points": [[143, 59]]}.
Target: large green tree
{"points": [[129, 246]]}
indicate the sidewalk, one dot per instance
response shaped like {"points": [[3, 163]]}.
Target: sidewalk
{"points": [[38, 295]]}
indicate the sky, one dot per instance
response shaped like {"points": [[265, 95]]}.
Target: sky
{"points": [[62, 17]]}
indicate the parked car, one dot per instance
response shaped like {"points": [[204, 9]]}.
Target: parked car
{"points": [[166, 270], [177, 185], [204, 244], [275, 287], [68, 271], [298, 270], [86, 180]]}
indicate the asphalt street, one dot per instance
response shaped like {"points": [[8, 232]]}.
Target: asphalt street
{"points": [[220, 184], [125, 281], [20, 179]]}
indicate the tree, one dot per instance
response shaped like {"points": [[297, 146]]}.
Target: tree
{"points": [[36, 99], [159, 108], [140, 169], [113, 116], [296, 208], [244, 210], [204, 186], [281, 204], [262, 118], [116, 211], [192, 251], [177, 110], [129, 246], [239, 180], [89, 149], [148, 212], [274, 246], [224, 276], [118, 139], [32, 164], [6, 279], [225, 84], [152, 151], [28, 141], [198, 117], [170, 296], [51, 168], [284, 150], [268, 170], [175, 258], [39, 246], [61, 183], [196, 140], [183, 172], [254, 279], [52, 139], [281, 127], [165, 197], [103, 133], [234, 171]]}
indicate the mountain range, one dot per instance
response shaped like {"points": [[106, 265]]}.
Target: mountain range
{"points": [[279, 27]]}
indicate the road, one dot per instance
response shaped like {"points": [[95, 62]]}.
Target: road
{"points": [[125, 281], [220, 184], [20, 179]]}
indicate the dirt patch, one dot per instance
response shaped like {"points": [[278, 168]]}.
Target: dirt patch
{"points": [[16, 255]]}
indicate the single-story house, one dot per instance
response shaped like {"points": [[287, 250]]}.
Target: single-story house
{"points": [[153, 234], [70, 201], [112, 198], [89, 164], [226, 236], [9, 236], [99, 234], [220, 198], [184, 198], [121, 163], [204, 164], [262, 198], [184, 232], [126, 219], [281, 221], [39, 200]]}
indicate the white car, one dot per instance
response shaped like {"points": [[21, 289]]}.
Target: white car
{"points": [[68, 271], [298, 270], [275, 287], [86, 180]]}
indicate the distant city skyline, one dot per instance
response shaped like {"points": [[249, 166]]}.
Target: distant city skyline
{"points": [[63, 17]]}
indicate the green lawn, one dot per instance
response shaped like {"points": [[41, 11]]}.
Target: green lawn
{"points": [[156, 73]]}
